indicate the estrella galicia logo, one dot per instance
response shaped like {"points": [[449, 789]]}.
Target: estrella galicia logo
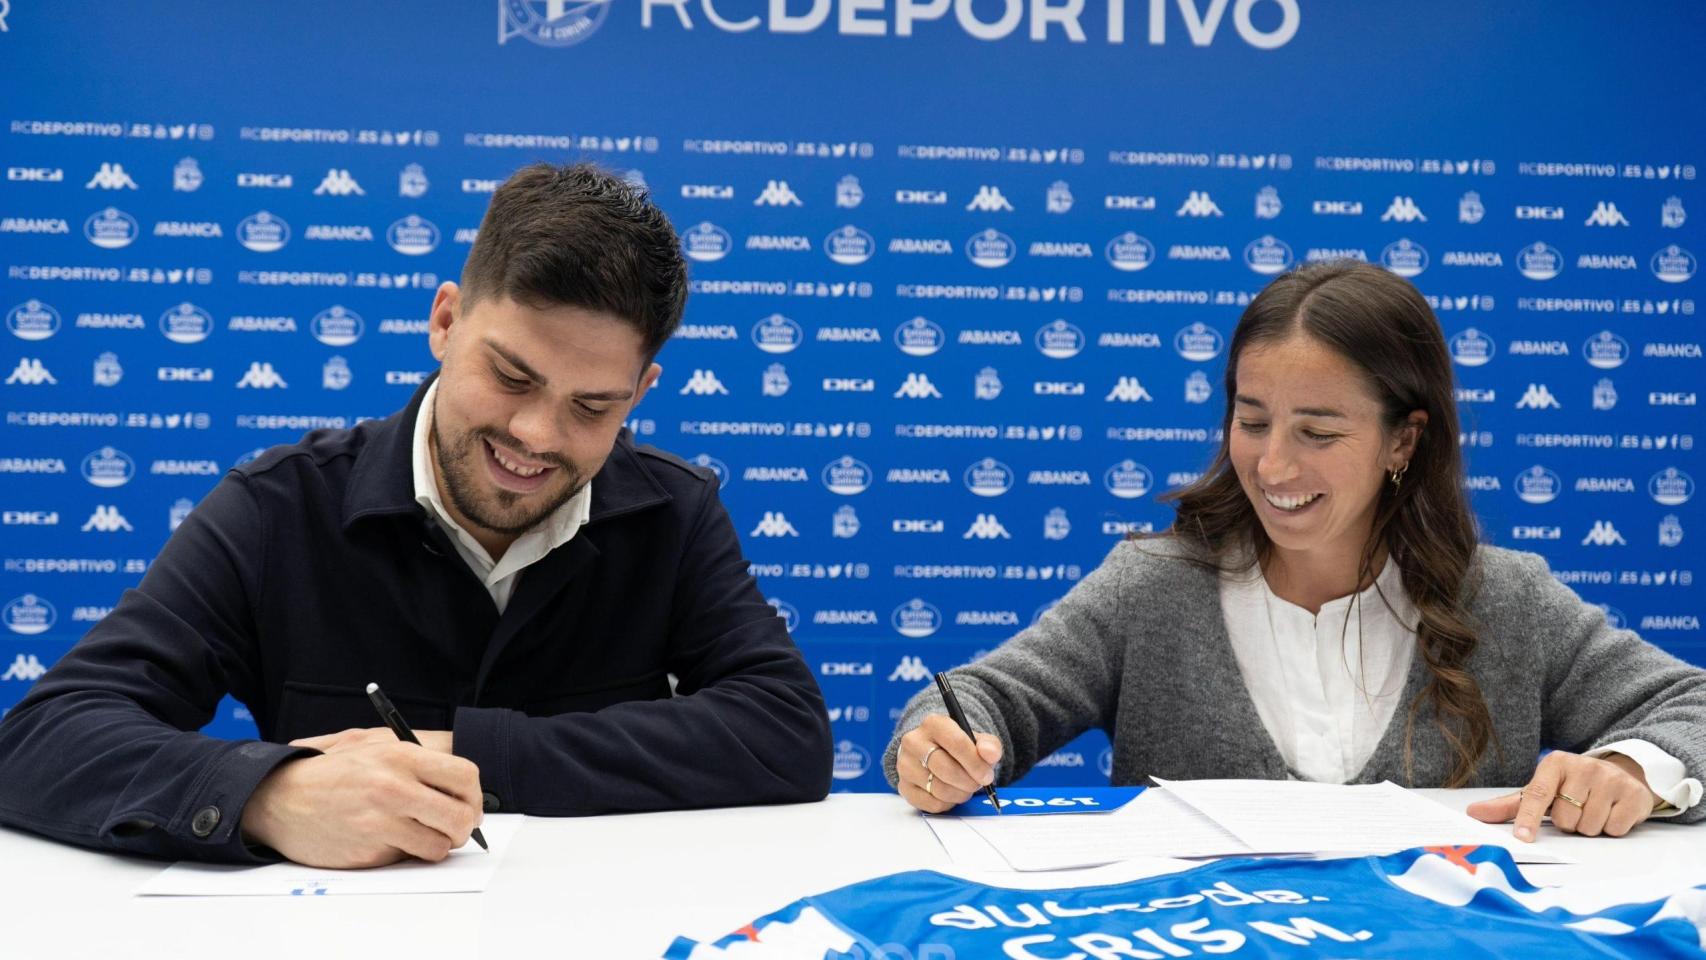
{"points": [[1105, 762], [706, 242], [1268, 255], [108, 467], [1540, 261], [1060, 340], [32, 320], [1674, 264], [851, 760], [1129, 252], [186, 323], [1671, 487], [29, 615], [789, 613], [1472, 348], [337, 326], [111, 229], [849, 246], [262, 232], [847, 477], [916, 619], [1199, 342], [777, 334], [1405, 257], [413, 236], [1606, 350], [991, 248], [1538, 485], [551, 23], [919, 337], [714, 465], [989, 477], [1128, 480]]}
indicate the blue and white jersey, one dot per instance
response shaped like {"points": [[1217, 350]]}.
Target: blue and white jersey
{"points": [[1439, 901]]}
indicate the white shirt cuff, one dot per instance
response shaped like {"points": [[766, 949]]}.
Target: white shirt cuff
{"points": [[1665, 773]]}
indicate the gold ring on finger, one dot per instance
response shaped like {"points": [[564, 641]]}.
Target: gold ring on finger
{"points": [[1572, 801], [925, 763], [930, 784]]}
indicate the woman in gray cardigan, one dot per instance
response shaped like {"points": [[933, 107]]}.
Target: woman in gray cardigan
{"points": [[1321, 609]]}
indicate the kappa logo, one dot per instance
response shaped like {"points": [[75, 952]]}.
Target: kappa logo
{"points": [[1198, 204], [774, 524], [338, 183], [550, 23], [988, 384], [910, 669], [26, 668], [845, 523], [776, 382], [1056, 526], [986, 527], [110, 176], [1403, 210], [1470, 209], [107, 519], [1672, 215], [1537, 397], [30, 373], [1127, 390], [848, 193], [1603, 534], [1606, 214], [261, 376], [918, 387], [777, 193], [989, 200], [703, 383], [1059, 198], [1268, 204], [186, 176], [412, 182]]}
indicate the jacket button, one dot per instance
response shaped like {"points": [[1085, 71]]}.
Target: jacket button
{"points": [[205, 820], [489, 801]]}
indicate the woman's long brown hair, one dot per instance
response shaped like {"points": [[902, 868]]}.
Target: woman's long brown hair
{"points": [[1381, 324]]}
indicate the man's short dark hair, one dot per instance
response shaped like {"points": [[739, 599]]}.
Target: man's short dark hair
{"points": [[579, 235]]}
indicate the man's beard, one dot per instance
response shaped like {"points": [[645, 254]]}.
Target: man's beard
{"points": [[499, 510]]}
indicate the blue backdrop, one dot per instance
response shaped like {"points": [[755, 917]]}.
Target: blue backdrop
{"points": [[963, 271]]}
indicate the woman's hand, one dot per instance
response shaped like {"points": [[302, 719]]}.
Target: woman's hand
{"points": [[1584, 795], [956, 768]]}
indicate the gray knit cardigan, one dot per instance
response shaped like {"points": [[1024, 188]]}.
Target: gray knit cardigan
{"points": [[1139, 648]]}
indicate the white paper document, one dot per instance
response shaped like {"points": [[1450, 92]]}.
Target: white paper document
{"points": [[1156, 824], [467, 870], [1297, 816]]}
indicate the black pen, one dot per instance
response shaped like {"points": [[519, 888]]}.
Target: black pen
{"points": [[959, 717], [400, 727]]}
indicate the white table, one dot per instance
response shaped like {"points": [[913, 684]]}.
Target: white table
{"points": [[599, 887]]}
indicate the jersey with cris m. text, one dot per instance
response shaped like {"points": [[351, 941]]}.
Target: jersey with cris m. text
{"points": [[1433, 902]]}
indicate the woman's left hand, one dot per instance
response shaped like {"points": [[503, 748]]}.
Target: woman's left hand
{"points": [[1584, 795]]}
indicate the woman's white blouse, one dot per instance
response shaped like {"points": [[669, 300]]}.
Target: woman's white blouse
{"points": [[1326, 685]]}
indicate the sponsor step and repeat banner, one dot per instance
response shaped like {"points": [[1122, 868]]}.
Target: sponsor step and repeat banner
{"points": [[963, 273]]}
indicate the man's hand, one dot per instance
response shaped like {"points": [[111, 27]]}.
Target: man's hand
{"points": [[437, 740], [957, 768], [1611, 794], [366, 805]]}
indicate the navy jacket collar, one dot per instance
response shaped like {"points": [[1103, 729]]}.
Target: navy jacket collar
{"points": [[382, 481]]}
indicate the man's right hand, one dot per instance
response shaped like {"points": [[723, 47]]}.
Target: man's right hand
{"points": [[957, 767], [366, 806]]}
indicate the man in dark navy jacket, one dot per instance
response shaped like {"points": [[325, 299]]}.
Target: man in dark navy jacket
{"points": [[521, 579]]}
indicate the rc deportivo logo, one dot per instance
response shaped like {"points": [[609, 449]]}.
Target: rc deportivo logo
{"points": [[550, 23]]}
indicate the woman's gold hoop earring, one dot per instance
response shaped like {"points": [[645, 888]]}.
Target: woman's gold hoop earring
{"points": [[1398, 475]]}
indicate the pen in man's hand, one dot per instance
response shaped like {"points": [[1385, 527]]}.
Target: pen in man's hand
{"points": [[400, 727], [959, 717]]}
